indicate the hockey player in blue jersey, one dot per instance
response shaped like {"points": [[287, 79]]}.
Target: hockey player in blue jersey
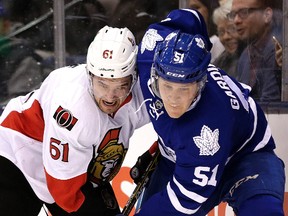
{"points": [[214, 139]]}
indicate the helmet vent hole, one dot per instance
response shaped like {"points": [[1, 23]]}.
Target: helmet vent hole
{"points": [[112, 76], [101, 74], [123, 50]]}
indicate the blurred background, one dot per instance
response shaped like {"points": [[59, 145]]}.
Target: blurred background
{"points": [[37, 37]]}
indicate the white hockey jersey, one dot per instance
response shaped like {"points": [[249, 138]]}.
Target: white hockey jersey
{"points": [[52, 133]]}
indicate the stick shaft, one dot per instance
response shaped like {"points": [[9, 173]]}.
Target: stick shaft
{"points": [[141, 185]]}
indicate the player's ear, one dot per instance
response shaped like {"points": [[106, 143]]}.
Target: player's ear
{"points": [[268, 14]]}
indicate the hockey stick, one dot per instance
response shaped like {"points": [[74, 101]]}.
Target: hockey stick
{"points": [[141, 185]]}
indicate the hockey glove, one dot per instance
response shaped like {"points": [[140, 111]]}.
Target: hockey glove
{"points": [[99, 201], [137, 171]]}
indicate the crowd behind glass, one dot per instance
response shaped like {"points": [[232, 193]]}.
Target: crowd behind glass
{"points": [[27, 40]]}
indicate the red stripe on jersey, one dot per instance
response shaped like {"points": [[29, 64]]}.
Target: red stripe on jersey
{"points": [[67, 193], [127, 100], [29, 122]]}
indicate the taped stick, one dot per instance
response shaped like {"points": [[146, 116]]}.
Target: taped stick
{"points": [[141, 185]]}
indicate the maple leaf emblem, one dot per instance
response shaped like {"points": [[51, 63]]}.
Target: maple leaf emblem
{"points": [[170, 36], [207, 142], [200, 43], [149, 40]]}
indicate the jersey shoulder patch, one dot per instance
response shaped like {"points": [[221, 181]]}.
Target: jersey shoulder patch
{"points": [[64, 118], [150, 40]]}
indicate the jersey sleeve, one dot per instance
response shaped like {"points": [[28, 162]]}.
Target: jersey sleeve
{"points": [[185, 20], [192, 183], [69, 137]]}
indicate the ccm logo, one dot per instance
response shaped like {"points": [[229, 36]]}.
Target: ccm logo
{"points": [[175, 75]]}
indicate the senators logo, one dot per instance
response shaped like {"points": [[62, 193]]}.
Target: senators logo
{"points": [[110, 156], [65, 118]]}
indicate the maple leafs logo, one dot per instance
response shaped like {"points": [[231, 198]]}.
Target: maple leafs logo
{"points": [[150, 40], [208, 141], [200, 43]]}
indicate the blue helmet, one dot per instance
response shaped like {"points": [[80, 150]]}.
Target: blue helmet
{"points": [[182, 58]]}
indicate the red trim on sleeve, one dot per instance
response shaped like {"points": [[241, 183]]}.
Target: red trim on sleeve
{"points": [[67, 193], [29, 122], [127, 100]]}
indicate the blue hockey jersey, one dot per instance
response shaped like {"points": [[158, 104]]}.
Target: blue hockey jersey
{"points": [[223, 124]]}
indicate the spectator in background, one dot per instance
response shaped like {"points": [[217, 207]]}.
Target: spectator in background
{"points": [[277, 26], [228, 36], [20, 70], [278, 52], [221, 2], [257, 66], [137, 15], [206, 8]]}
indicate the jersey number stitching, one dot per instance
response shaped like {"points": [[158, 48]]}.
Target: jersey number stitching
{"points": [[202, 176], [58, 150]]}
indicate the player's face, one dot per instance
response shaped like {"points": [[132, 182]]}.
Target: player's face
{"points": [[111, 93], [177, 97]]}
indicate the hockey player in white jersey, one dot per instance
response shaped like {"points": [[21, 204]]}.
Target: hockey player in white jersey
{"points": [[62, 143], [215, 142]]}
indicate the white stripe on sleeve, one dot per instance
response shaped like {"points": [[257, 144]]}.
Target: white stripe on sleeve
{"points": [[176, 204]]}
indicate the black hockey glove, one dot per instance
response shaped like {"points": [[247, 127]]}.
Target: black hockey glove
{"points": [[137, 171], [99, 201]]}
